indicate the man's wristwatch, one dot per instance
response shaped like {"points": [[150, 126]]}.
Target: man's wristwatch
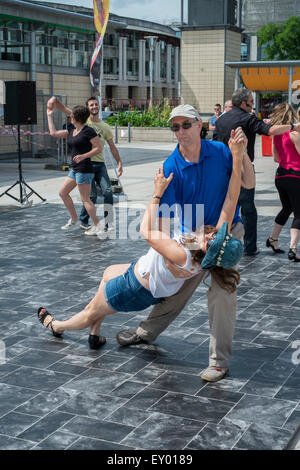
{"points": [[155, 197], [292, 126]]}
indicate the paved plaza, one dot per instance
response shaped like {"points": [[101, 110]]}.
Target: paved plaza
{"points": [[58, 394]]}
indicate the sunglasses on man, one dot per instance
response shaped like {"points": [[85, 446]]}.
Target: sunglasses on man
{"points": [[185, 125]]}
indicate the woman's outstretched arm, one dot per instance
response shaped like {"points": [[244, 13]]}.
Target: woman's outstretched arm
{"points": [[52, 129], [237, 144], [159, 239]]}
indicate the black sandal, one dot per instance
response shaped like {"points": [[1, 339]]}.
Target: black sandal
{"points": [[95, 342], [269, 244], [42, 319], [292, 255]]}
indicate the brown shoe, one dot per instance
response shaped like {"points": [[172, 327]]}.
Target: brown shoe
{"points": [[214, 373], [127, 337]]}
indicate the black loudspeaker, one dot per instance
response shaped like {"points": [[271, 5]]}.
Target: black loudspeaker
{"points": [[20, 107]]}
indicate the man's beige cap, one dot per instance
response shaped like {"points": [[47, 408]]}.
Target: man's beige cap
{"points": [[185, 110]]}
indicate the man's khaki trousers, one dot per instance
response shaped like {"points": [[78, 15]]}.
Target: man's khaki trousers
{"points": [[221, 310]]}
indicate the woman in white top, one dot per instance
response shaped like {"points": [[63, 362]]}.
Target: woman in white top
{"points": [[136, 286]]}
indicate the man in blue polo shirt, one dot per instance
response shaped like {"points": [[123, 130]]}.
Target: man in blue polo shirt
{"points": [[200, 181], [202, 171]]}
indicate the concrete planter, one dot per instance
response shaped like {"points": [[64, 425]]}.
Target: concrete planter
{"points": [[145, 134]]}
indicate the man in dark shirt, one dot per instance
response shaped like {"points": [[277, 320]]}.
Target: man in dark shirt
{"points": [[241, 115]]}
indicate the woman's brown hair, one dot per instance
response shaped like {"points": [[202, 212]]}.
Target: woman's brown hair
{"points": [[80, 114], [283, 113], [229, 278]]}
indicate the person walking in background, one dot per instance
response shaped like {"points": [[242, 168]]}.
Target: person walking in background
{"points": [[286, 152], [84, 143], [241, 115], [227, 106], [101, 176], [213, 119]]}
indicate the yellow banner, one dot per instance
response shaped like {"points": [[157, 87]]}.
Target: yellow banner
{"points": [[101, 14]]}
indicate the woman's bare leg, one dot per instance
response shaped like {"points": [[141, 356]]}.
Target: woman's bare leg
{"points": [[109, 273], [94, 313], [64, 192], [295, 237], [96, 310], [275, 235], [85, 191]]}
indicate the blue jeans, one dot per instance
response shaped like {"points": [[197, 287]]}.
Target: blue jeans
{"points": [[249, 217], [102, 179]]}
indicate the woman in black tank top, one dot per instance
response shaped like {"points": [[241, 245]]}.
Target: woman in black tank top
{"points": [[84, 144]]}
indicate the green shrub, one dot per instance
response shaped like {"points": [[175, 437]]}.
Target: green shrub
{"points": [[156, 117]]}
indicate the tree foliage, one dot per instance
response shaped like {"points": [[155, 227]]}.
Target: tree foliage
{"points": [[281, 41]]}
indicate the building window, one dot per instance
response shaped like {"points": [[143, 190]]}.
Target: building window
{"points": [[60, 57], [132, 67], [108, 65], [110, 39], [172, 72], [42, 55], [163, 70], [14, 43], [79, 59], [132, 40], [244, 52], [68, 49], [13, 54]]}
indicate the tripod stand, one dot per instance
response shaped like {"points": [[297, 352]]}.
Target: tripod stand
{"points": [[21, 182]]}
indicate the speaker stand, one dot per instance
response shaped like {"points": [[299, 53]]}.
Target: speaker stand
{"points": [[23, 199]]}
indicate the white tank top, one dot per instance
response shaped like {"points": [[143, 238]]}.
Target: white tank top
{"points": [[162, 283]]}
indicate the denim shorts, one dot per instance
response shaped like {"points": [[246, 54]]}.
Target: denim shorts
{"points": [[124, 293], [81, 177]]}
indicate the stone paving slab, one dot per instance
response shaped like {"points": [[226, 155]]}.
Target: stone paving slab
{"points": [[58, 394]]}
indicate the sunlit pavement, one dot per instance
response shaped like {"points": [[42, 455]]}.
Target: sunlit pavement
{"points": [[58, 394]]}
